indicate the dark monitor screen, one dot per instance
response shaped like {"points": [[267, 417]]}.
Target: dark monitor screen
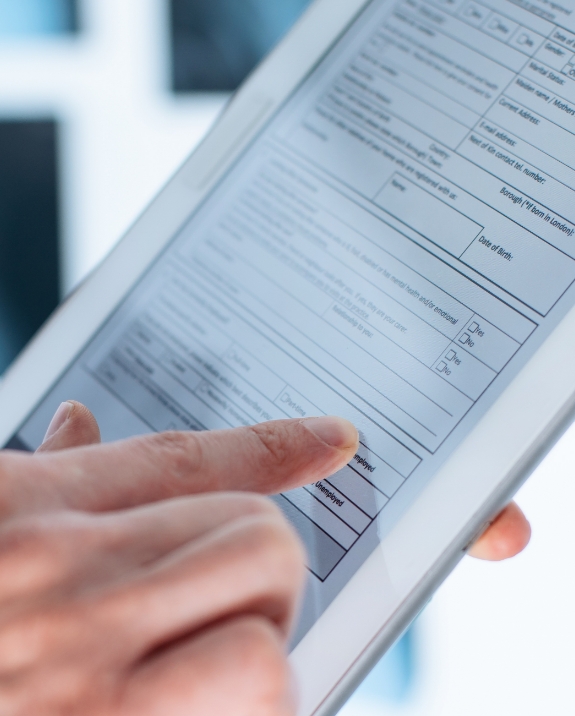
{"points": [[217, 43], [38, 17], [29, 231]]}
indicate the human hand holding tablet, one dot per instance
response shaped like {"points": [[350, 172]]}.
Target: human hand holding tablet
{"points": [[380, 227], [155, 586]]}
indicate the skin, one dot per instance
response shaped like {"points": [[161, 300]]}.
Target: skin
{"points": [[150, 577]]}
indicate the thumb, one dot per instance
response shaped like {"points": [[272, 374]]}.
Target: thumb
{"points": [[73, 425]]}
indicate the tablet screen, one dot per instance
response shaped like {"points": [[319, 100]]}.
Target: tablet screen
{"points": [[392, 248]]}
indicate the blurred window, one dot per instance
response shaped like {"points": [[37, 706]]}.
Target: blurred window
{"points": [[37, 17], [217, 43], [29, 265]]}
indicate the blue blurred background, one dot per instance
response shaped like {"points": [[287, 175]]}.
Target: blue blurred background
{"points": [[37, 17], [100, 101], [217, 43]]}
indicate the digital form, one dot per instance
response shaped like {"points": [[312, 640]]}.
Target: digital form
{"points": [[392, 249]]}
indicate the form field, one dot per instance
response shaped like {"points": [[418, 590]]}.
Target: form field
{"points": [[428, 215]]}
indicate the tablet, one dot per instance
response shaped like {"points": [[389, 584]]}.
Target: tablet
{"points": [[380, 226]]}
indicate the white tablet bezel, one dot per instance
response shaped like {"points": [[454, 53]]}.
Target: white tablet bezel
{"points": [[394, 584]]}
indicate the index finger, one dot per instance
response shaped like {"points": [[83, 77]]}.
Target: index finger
{"points": [[267, 458]]}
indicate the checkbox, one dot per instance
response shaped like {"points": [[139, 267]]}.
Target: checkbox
{"points": [[442, 367], [474, 327], [465, 338], [451, 355]]}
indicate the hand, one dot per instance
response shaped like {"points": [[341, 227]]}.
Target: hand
{"points": [[507, 536], [132, 583], [122, 595]]}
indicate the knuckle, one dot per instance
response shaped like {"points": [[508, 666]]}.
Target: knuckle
{"points": [[180, 453], [27, 557], [14, 471], [45, 531], [264, 656], [276, 544], [36, 551], [257, 505], [27, 535], [272, 443], [34, 636], [50, 663]]}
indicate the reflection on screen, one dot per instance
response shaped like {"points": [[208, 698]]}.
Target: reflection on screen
{"points": [[217, 43]]}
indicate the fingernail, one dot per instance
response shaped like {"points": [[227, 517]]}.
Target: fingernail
{"points": [[336, 432], [60, 417]]}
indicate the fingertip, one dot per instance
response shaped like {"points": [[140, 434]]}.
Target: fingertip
{"points": [[507, 537], [73, 425], [59, 420], [334, 431]]}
